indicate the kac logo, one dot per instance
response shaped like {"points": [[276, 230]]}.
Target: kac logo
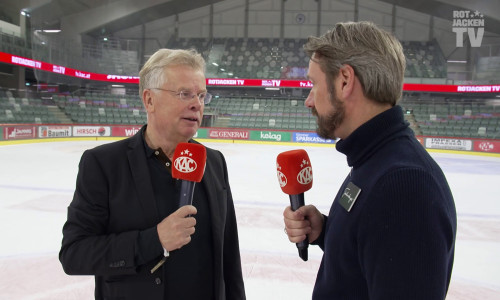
{"points": [[282, 179], [305, 175], [486, 146], [468, 21], [185, 164]]}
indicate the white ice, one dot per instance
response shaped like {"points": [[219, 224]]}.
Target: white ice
{"points": [[37, 182]]}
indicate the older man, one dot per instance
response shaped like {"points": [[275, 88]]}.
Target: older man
{"points": [[124, 224]]}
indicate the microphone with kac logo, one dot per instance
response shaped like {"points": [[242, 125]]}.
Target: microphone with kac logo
{"points": [[189, 162], [295, 177]]}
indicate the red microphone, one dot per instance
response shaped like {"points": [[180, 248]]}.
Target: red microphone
{"points": [[295, 177], [189, 163]]}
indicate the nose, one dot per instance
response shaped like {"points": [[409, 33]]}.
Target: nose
{"points": [[195, 103], [309, 100]]}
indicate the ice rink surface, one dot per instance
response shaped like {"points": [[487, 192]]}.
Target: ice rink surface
{"points": [[37, 182]]}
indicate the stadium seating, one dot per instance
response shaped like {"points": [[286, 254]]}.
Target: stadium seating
{"points": [[285, 58], [424, 60], [268, 113], [102, 109], [242, 58], [24, 110], [437, 116], [455, 119], [235, 57]]}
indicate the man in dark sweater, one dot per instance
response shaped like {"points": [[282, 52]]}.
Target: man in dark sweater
{"points": [[390, 233]]}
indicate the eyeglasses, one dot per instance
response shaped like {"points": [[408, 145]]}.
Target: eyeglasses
{"points": [[188, 95]]}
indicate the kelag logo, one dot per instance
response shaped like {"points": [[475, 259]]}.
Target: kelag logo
{"points": [[277, 136], [468, 21]]}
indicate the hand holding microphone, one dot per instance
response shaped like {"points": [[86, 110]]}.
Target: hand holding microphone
{"points": [[295, 177], [175, 230], [188, 166]]}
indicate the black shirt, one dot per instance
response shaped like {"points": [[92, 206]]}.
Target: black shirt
{"points": [[188, 272]]}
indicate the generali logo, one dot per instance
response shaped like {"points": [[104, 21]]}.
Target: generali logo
{"points": [[184, 163], [226, 134]]}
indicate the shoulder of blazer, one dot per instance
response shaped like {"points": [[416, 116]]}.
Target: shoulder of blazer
{"points": [[109, 150], [212, 154]]}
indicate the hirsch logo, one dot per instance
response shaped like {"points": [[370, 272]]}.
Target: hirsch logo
{"points": [[305, 175], [185, 164]]}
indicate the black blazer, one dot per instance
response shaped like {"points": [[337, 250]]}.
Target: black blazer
{"points": [[114, 200]]}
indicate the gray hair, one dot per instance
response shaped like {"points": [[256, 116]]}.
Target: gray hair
{"points": [[375, 55], [152, 73]]}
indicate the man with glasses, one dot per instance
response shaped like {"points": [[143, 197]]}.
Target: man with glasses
{"points": [[124, 225]]}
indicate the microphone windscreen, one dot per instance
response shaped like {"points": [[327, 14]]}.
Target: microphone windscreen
{"points": [[189, 162], [294, 171]]}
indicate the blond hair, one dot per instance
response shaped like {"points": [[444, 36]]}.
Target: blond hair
{"points": [[152, 74], [375, 55]]}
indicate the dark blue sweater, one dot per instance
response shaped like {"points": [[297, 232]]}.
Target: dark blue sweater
{"points": [[398, 240]]}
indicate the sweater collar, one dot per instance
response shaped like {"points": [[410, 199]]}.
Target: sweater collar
{"points": [[371, 135]]}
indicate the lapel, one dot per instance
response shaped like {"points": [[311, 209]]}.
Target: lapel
{"points": [[140, 174], [217, 212], [210, 182]]}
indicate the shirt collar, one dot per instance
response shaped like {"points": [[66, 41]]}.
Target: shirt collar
{"points": [[373, 134], [156, 153]]}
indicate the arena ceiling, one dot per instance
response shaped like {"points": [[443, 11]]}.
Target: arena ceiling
{"points": [[109, 16]]}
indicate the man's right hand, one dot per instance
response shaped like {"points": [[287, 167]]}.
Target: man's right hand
{"points": [[175, 230], [305, 221]]}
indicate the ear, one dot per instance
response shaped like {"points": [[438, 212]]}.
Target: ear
{"points": [[148, 100], [346, 80]]}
